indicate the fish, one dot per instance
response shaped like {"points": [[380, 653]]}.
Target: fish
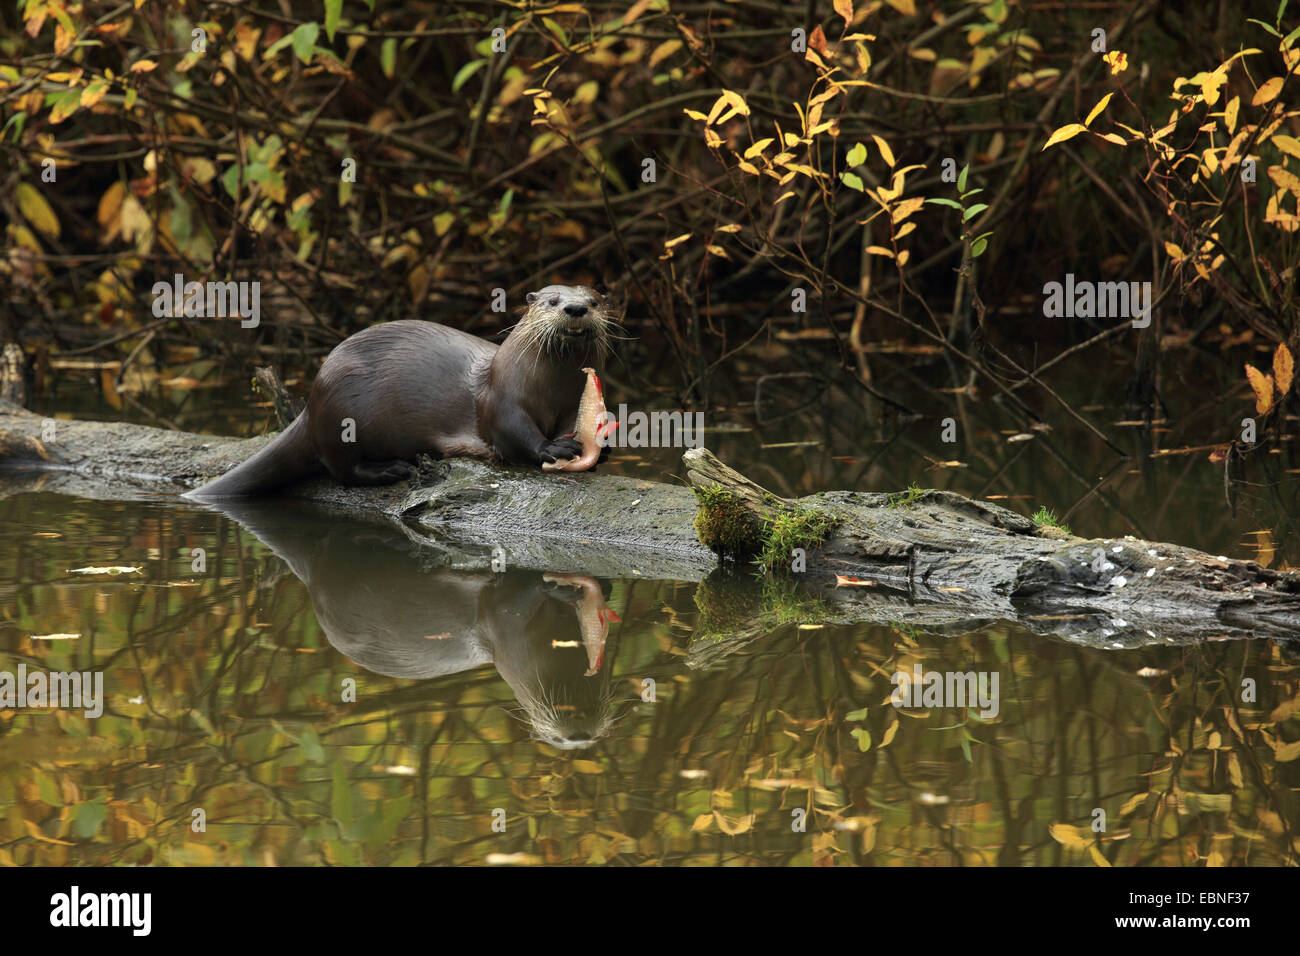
{"points": [[594, 427]]}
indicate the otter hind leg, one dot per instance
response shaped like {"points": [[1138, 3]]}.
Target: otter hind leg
{"points": [[354, 473]]}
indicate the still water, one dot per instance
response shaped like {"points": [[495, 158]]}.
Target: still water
{"points": [[321, 690]]}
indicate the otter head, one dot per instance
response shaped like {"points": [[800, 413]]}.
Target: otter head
{"points": [[567, 319]]}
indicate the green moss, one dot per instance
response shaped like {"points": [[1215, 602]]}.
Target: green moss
{"points": [[1046, 518], [790, 529], [908, 497], [727, 528], [724, 526]]}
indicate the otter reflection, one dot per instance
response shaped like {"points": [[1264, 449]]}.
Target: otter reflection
{"points": [[396, 608]]}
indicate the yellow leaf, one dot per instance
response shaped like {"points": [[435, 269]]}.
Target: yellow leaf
{"points": [[905, 7], [736, 102], [1230, 114], [907, 227], [1285, 179], [663, 51], [758, 147], [696, 115], [1115, 138], [1097, 857], [1118, 61], [1267, 92], [879, 251], [1096, 110], [749, 168], [1283, 369], [1175, 252], [702, 822], [734, 825], [110, 203], [143, 66], [36, 210], [1067, 835], [845, 9], [1288, 144], [906, 208], [1069, 131], [1263, 388], [886, 740], [885, 151], [93, 93], [1287, 752], [903, 257]]}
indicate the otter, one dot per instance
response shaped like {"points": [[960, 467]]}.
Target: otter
{"points": [[400, 389]]}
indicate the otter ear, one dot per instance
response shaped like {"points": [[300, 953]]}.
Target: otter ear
{"points": [[530, 298]]}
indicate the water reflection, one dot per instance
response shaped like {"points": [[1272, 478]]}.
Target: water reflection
{"points": [[399, 610]]}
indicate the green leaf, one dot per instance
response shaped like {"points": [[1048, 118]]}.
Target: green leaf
{"points": [[974, 211], [506, 199], [333, 9], [89, 817], [852, 181], [1264, 25], [304, 39], [977, 247], [557, 30], [230, 179], [864, 739], [857, 155], [388, 57], [961, 178], [1290, 38], [856, 714], [971, 192], [311, 748], [17, 121], [465, 72], [341, 796], [945, 202]]}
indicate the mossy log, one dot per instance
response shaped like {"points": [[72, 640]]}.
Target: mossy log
{"points": [[930, 559]]}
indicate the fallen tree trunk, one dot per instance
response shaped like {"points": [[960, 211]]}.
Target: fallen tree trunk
{"points": [[930, 559]]}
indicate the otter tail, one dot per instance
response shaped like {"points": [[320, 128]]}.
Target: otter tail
{"points": [[286, 458]]}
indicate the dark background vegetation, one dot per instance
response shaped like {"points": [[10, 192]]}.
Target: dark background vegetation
{"points": [[478, 170]]}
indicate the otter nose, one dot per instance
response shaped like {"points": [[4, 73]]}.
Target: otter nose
{"points": [[576, 310]]}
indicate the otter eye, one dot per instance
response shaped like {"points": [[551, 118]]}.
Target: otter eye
{"points": [[554, 303]]}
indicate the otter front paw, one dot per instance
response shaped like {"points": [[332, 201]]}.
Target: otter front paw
{"points": [[561, 449]]}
